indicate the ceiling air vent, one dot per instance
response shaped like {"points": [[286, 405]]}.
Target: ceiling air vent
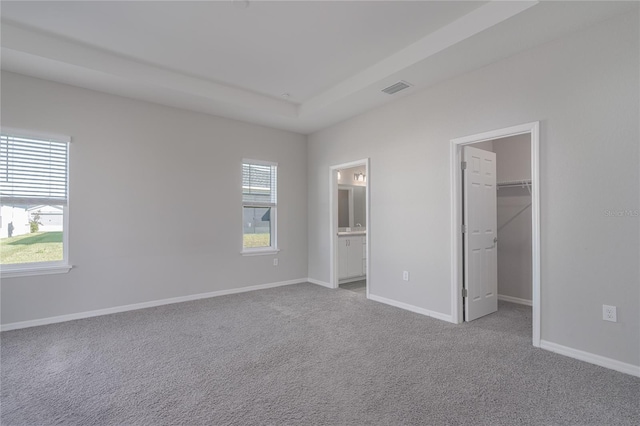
{"points": [[395, 88]]}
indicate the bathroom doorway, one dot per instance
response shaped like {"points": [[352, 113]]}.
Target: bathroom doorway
{"points": [[349, 189]]}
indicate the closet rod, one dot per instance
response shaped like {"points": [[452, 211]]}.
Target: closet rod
{"points": [[522, 183], [515, 184]]}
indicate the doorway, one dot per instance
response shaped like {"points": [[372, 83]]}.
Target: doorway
{"points": [[472, 295], [350, 226]]}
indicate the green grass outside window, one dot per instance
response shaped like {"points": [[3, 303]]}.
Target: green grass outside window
{"points": [[29, 248]]}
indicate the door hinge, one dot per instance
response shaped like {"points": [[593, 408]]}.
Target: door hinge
{"points": [[464, 292], [463, 228], [464, 165]]}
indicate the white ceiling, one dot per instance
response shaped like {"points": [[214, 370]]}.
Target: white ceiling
{"points": [[332, 57], [300, 48]]}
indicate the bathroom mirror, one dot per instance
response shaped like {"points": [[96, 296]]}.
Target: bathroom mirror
{"points": [[351, 206]]}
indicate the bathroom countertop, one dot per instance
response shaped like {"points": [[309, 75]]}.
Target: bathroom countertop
{"points": [[347, 233]]}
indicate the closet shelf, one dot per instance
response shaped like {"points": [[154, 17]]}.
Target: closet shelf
{"points": [[512, 183], [515, 184]]}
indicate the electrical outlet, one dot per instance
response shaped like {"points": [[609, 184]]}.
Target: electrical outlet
{"points": [[609, 313], [405, 275], [275, 262]]}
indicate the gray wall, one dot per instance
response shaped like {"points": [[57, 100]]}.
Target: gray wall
{"points": [[174, 179], [584, 88], [515, 158], [513, 161]]}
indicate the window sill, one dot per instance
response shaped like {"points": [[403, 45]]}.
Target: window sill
{"points": [[35, 270], [259, 252]]}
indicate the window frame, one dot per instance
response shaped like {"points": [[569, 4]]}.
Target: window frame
{"points": [[273, 248], [52, 267]]}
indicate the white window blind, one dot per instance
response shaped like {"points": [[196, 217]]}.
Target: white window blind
{"points": [[33, 171], [259, 183]]}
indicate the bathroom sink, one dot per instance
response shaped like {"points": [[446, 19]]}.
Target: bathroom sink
{"points": [[352, 230]]}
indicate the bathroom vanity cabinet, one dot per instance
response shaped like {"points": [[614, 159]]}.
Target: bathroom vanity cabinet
{"points": [[352, 257]]}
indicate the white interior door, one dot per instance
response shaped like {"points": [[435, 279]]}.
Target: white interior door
{"points": [[480, 237]]}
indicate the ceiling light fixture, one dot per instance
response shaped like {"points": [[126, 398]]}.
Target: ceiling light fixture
{"points": [[286, 95], [359, 177]]}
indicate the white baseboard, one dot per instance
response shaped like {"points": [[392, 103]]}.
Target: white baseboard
{"points": [[602, 361], [143, 305], [515, 300], [411, 308], [318, 282]]}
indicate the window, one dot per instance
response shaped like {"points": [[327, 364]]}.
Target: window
{"points": [[259, 206], [33, 204]]}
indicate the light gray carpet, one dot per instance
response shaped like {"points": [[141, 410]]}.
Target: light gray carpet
{"points": [[356, 286], [301, 354]]}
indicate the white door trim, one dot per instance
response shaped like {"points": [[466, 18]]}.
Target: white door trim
{"points": [[333, 220], [456, 216]]}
